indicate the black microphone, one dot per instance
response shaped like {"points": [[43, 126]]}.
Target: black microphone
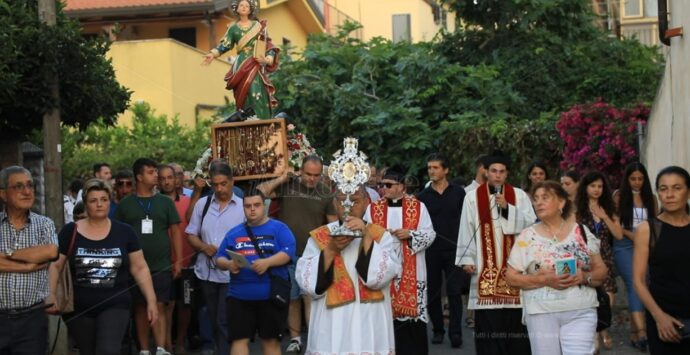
{"points": [[499, 190]]}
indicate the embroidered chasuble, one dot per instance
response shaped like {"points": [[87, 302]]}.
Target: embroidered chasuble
{"points": [[485, 240], [353, 315], [409, 289], [342, 290]]}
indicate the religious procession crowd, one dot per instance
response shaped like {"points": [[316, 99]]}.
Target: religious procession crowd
{"points": [[151, 252]]}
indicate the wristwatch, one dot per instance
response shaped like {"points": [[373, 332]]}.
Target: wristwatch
{"points": [[588, 279]]}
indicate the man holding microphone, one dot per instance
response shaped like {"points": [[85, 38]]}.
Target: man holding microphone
{"points": [[492, 216]]}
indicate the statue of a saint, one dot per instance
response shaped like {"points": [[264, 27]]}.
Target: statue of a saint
{"points": [[256, 57]]}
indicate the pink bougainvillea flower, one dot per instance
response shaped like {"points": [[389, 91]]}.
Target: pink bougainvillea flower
{"points": [[600, 136]]}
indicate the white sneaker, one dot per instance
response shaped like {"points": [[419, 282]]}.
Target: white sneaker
{"points": [[294, 347], [144, 352], [162, 351]]}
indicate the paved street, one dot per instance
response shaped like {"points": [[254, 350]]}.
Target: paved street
{"points": [[619, 331]]}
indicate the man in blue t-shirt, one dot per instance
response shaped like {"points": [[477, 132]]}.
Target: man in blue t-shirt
{"points": [[250, 285]]}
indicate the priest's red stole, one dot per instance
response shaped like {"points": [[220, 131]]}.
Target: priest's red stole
{"points": [[404, 298], [493, 289]]}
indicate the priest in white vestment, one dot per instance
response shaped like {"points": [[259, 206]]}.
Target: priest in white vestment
{"points": [[349, 279], [492, 215], [409, 222]]}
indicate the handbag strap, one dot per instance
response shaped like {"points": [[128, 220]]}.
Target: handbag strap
{"points": [[250, 233], [584, 236], [73, 239], [259, 252], [203, 213], [582, 232]]}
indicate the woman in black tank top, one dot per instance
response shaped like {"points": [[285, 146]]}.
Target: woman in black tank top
{"points": [[662, 247]]}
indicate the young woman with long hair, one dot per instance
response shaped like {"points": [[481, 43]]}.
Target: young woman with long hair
{"points": [[636, 203], [596, 211]]}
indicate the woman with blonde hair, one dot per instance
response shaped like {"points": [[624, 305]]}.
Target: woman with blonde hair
{"points": [[103, 255]]}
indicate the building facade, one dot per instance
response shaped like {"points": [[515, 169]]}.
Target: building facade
{"points": [[397, 20], [629, 19], [158, 46], [667, 138]]}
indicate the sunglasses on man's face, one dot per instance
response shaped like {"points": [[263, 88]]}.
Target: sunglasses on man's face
{"points": [[124, 183], [388, 185]]}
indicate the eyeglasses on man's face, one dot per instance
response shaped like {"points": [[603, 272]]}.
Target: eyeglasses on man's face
{"points": [[388, 185], [21, 187], [123, 183]]}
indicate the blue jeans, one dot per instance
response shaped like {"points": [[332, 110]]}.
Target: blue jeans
{"points": [[622, 257], [26, 334]]}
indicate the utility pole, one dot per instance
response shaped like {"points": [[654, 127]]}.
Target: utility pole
{"points": [[52, 170], [51, 132]]}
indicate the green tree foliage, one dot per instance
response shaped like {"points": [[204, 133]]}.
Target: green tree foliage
{"points": [[30, 50], [552, 53], [152, 136], [498, 82], [395, 97]]}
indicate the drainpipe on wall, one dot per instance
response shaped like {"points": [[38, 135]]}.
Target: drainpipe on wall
{"points": [[211, 30], [663, 21], [640, 138]]}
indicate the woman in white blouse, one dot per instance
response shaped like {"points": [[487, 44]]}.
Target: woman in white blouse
{"points": [[559, 307]]}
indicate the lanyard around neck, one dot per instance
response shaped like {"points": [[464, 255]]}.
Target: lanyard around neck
{"points": [[147, 209]]}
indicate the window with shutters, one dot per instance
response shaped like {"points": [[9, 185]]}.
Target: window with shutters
{"points": [[401, 28]]}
